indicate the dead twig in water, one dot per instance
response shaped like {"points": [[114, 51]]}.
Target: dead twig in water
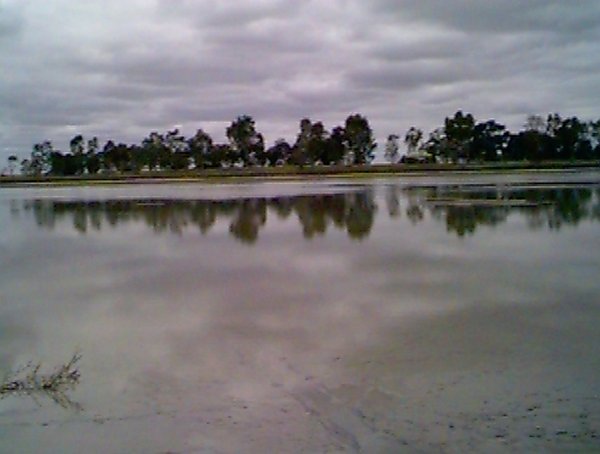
{"points": [[29, 381]]}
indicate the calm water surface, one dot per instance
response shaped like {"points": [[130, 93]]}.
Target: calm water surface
{"points": [[353, 316]]}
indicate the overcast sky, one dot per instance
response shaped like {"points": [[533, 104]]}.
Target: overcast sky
{"points": [[119, 69]]}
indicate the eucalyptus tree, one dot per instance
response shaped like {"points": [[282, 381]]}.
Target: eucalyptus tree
{"points": [[594, 133], [359, 139], [39, 162], [177, 150], [412, 139], [535, 123], [279, 153], [244, 139], [152, 149], [437, 144], [12, 163], [200, 146], [300, 154], [490, 140], [392, 148], [336, 148], [76, 145], [570, 137], [459, 134], [92, 160], [317, 143]]}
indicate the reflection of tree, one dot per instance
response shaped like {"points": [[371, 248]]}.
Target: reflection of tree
{"points": [[463, 209], [415, 205], [559, 206], [282, 206], [414, 212], [353, 212], [361, 215], [464, 220], [392, 200], [595, 211], [250, 216]]}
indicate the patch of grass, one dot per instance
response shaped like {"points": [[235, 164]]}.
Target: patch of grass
{"points": [[30, 381]]}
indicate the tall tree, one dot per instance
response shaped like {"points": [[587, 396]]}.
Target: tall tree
{"points": [[594, 133], [153, 150], [437, 144], [26, 167], [490, 139], [279, 153], [570, 136], [459, 134], [535, 123], [76, 145], [200, 146], [92, 145], [526, 145], [221, 154], [244, 140], [413, 138], [359, 139], [336, 147], [76, 163], [92, 160], [392, 148], [117, 157], [300, 155], [553, 124], [12, 163], [39, 163], [178, 150], [317, 143]]}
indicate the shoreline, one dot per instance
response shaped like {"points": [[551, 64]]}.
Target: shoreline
{"points": [[295, 173]]}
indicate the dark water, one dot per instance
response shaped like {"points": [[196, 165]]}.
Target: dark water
{"points": [[424, 314]]}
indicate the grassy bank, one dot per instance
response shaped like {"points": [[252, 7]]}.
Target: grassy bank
{"points": [[290, 172]]}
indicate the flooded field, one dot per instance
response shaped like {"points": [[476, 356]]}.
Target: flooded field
{"points": [[421, 314]]}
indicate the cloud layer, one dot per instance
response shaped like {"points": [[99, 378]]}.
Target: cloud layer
{"points": [[121, 69]]}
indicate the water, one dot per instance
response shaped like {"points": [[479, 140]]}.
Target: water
{"points": [[334, 315]]}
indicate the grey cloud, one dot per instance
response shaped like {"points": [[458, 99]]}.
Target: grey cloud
{"points": [[123, 69], [227, 14], [274, 40], [411, 75], [427, 49], [11, 23], [555, 16], [183, 73]]}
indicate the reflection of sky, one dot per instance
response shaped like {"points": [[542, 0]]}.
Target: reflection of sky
{"points": [[158, 315]]}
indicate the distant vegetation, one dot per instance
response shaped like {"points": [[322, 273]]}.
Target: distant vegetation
{"points": [[461, 139]]}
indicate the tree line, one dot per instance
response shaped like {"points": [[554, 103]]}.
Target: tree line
{"points": [[460, 139], [352, 143], [463, 139]]}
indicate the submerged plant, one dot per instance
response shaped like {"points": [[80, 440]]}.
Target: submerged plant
{"points": [[28, 380]]}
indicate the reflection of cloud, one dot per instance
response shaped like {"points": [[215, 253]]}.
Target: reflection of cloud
{"points": [[201, 308], [201, 323], [14, 336]]}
